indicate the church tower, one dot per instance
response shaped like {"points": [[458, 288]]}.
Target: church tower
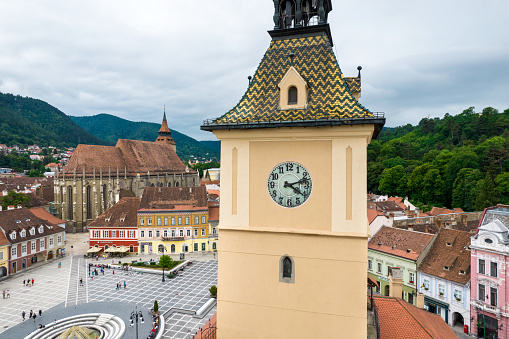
{"points": [[165, 133], [293, 225]]}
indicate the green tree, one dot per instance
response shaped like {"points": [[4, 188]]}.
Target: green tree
{"points": [[165, 261], [487, 195], [393, 181], [13, 198], [465, 188], [502, 181]]}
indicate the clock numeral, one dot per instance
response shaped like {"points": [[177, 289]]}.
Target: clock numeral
{"points": [[289, 167], [289, 203], [298, 168], [281, 169], [272, 184], [274, 176], [305, 174], [274, 193], [281, 200], [297, 201]]}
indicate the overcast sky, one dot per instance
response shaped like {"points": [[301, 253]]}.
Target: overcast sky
{"points": [[129, 58]]}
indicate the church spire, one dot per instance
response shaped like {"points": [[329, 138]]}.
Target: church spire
{"points": [[165, 133]]}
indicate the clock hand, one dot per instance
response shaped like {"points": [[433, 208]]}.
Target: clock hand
{"points": [[287, 184], [295, 189]]}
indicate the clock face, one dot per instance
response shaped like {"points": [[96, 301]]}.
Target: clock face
{"points": [[289, 184]]}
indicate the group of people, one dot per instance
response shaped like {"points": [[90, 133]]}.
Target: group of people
{"points": [[28, 282], [6, 294], [119, 285], [32, 315], [155, 327]]}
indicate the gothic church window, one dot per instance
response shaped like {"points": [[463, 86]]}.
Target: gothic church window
{"points": [[89, 203], [286, 269], [69, 206]]}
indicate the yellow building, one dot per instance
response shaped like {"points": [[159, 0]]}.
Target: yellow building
{"points": [[293, 226], [4, 255], [173, 220]]}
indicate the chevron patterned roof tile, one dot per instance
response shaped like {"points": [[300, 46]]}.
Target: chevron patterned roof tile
{"points": [[329, 95]]}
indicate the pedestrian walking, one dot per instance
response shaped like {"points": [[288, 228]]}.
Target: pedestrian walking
{"points": [[59, 264], [23, 282], [35, 316], [31, 313], [113, 271], [28, 282], [23, 315], [124, 285], [40, 313], [81, 281], [8, 294], [55, 323], [3, 294], [32, 282]]}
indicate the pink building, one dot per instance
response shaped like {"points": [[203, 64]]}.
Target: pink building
{"points": [[489, 277]]}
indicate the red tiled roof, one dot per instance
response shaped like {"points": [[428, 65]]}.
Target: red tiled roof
{"points": [[3, 240], [174, 198], [400, 242], [456, 256], [439, 210], [22, 218], [395, 199], [123, 214], [40, 212], [398, 319], [213, 211], [372, 214]]}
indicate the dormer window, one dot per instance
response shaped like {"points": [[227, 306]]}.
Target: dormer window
{"points": [[448, 244], [13, 235], [292, 95], [32, 231], [23, 233], [488, 241], [41, 229]]}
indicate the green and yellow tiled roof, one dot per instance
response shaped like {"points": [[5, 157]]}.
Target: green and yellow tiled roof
{"points": [[329, 96], [353, 83]]}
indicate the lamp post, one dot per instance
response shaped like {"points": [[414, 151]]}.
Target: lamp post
{"points": [[163, 272], [134, 318]]}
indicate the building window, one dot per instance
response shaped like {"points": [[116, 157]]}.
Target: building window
{"points": [[69, 204], [203, 220], [196, 220], [23, 233], [33, 246], [482, 292], [426, 284], [482, 266], [214, 230], [89, 202], [173, 221], [150, 234], [493, 269], [13, 252], [121, 234], [292, 95], [173, 233], [493, 296], [158, 234], [158, 221], [113, 234], [1, 255], [131, 234], [457, 295], [59, 239], [42, 244], [165, 221], [196, 247], [32, 231], [96, 234], [142, 221], [203, 246], [51, 242], [187, 220], [142, 234], [202, 232], [41, 229], [24, 249], [181, 232], [149, 221], [106, 234], [188, 232], [180, 220], [411, 278], [214, 245], [195, 232], [165, 233], [370, 265], [379, 267], [441, 290], [286, 270]]}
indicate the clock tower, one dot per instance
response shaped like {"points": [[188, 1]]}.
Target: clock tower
{"points": [[293, 226]]}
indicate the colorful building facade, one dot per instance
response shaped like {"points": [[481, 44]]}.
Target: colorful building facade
{"points": [[174, 220], [444, 277], [489, 277], [4, 255], [393, 247], [116, 230]]}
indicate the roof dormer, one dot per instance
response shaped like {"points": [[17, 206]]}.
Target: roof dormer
{"points": [[23, 233], [293, 91]]}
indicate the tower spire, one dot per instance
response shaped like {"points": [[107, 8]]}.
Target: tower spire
{"points": [[165, 133]]}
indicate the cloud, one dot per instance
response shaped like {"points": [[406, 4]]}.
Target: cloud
{"points": [[129, 58]]}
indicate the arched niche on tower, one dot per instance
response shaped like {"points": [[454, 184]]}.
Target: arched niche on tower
{"points": [[293, 91]]}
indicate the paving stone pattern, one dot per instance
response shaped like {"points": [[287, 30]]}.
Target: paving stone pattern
{"points": [[49, 289], [184, 326]]}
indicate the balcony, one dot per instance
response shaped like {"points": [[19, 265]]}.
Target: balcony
{"points": [[173, 238], [487, 307]]}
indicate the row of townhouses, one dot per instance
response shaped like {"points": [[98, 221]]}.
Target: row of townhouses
{"points": [[461, 275], [164, 220]]}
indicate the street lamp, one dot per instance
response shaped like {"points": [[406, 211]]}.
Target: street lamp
{"points": [[134, 318], [163, 271]]}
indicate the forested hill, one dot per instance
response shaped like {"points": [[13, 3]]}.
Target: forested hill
{"points": [[111, 128], [458, 161], [25, 121]]}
